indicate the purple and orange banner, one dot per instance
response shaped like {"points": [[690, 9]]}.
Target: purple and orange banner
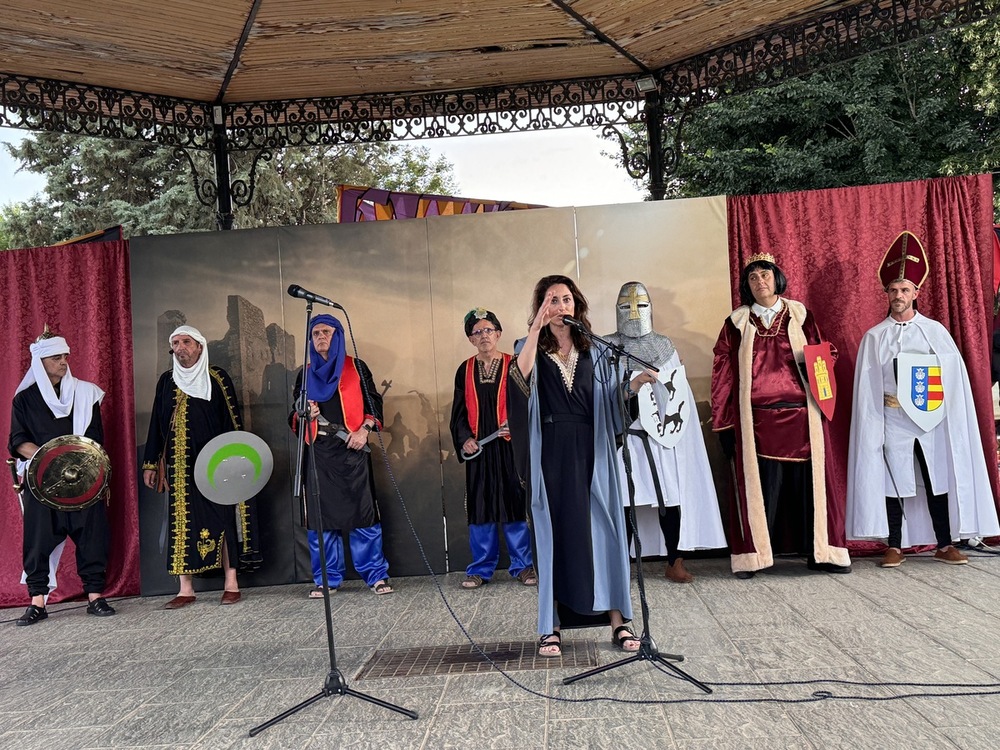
{"points": [[371, 204]]}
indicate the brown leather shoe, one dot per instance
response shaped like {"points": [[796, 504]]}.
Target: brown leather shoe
{"points": [[179, 601], [677, 572], [950, 556], [231, 597], [892, 558]]}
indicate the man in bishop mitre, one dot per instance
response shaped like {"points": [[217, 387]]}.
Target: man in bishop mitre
{"points": [[916, 471]]}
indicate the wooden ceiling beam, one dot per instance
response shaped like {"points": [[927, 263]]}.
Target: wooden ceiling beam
{"points": [[238, 52], [600, 35]]}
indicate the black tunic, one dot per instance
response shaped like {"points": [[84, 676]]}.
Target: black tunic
{"points": [[346, 485], [493, 492], [567, 469], [199, 527], [32, 421]]}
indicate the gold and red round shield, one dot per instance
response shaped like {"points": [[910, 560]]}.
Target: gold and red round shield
{"points": [[69, 473]]}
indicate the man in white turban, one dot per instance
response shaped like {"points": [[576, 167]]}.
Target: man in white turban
{"points": [[194, 403], [51, 403]]}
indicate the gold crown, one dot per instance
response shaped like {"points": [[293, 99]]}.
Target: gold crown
{"points": [[767, 257]]}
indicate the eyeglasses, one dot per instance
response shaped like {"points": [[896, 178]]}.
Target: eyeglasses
{"points": [[483, 332]]}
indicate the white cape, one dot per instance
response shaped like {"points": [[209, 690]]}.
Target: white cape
{"points": [[954, 446], [685, 479]]}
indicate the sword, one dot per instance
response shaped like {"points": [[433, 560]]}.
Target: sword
{"points": [[483, 442], [18, 483], [345, 436]]}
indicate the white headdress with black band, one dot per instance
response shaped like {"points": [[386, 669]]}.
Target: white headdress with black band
{"points": [[75, 396]]}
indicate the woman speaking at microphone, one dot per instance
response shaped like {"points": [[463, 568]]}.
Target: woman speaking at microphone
{"points": [[562, 415]]}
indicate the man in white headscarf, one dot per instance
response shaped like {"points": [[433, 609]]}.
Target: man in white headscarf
{"points": [[194, 403], [51, 403]]}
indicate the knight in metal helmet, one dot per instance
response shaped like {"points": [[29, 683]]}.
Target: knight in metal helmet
{"points": [[671, 470]]}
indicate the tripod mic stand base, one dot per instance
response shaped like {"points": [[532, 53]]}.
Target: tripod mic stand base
{"points": [[335, 684], [647, 652]]}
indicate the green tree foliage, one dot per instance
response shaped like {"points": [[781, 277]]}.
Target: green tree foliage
{"points": [[921, 110], [93, 183]]}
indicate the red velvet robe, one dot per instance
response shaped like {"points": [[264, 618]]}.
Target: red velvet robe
{"points": [[756, 367]]}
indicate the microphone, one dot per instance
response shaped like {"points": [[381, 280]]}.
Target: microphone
{"points": [[574, 323], [296, 291]]}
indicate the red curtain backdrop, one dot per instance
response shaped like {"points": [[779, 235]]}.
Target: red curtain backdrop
{"points": [[830, 243], [82, 292]]}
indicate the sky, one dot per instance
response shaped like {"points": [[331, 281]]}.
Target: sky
{"points": [[553, 168]]}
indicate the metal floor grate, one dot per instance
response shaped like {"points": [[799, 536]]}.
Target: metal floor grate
{"points": [[443, 660]]}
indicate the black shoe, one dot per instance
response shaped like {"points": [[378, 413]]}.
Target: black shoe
{"points": [[100, 607], [32, 615], [828, 567], [744, 575]]}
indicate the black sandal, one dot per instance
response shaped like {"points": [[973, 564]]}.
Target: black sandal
{"points": [[548, 641], [623, 634]]}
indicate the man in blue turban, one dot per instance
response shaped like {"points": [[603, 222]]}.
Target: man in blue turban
{"points": [[345, 408]]}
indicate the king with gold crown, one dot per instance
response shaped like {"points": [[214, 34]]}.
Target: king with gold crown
{"points": [[773, 430]]}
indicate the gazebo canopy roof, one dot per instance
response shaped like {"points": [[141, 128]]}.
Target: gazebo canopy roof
{"points": [[276, 63], [238, 51]]}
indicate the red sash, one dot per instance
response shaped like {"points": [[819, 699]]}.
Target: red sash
{"points": [[351, 401], [472, 398], [352, 404]]}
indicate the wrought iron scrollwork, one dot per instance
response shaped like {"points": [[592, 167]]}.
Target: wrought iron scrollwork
{"points": [[761, 60], [205, 188], [636, 162], [243, 190]]}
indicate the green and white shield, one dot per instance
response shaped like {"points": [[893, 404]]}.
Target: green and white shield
{"points": [[233, 467]]}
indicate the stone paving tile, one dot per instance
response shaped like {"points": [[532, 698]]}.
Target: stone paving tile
{"points": [[87, 709], [233, 734], [710, 640], [178, 724], [375, 738], [787, 743], [967, 739], [487, 688], [203, 676], [648, 730], [37, 695], [513, 725], [193, 685], [932, 664], [861, 635], [970, 640], [736, 625], [726, 722], [61, 739], [854, 724], [975, 713], [814, 652], [988, 671], [718, 669]]}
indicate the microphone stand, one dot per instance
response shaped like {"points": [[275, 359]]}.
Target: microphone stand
{"points": [[647, 646], [335, 683]]}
